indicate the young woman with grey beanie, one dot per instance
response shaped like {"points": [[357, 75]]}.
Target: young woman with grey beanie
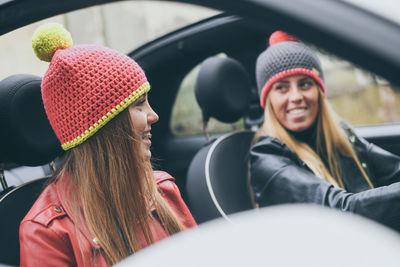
{"points": [[303, 153]]}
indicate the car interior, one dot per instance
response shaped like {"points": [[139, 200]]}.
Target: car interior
{"points": [[210, 169]]}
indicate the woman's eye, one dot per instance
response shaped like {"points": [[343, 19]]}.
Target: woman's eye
{"points": [[306, 84], [140, 102], [279, 87]]}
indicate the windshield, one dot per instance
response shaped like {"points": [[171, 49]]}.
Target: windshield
{"points": [[388, 8]]}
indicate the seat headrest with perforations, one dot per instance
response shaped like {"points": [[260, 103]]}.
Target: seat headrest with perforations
{"points": [[26, 137], [223, 89]]}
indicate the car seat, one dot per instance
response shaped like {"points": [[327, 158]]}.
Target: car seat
{"points": [[26, 139], [217, 176]]}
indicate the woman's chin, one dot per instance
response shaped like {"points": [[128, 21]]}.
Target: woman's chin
{"points": [[147, 155], [299, 127]]}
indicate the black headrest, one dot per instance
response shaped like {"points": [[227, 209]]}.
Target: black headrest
{"points": [[26, 137], [223, 89]]}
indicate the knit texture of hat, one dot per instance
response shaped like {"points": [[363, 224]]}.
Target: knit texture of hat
{"points": [[86, 86], [286, 56]]}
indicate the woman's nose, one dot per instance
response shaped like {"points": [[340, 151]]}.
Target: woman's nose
{"points": [[152, 116], [295, 94]]}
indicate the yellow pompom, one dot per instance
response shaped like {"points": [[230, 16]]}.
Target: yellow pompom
{"points": [[48, 38]]}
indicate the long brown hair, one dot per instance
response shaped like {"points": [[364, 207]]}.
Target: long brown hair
{"points": [[330, 137], [115, 189]]}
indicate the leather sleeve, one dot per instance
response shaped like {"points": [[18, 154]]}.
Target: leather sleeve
{"points": [[384, 165], [278, 176], [41, 246], [172, 195]]}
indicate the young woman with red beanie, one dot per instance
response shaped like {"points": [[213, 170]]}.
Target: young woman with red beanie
{"points": [[105, 201], [303, 154]]}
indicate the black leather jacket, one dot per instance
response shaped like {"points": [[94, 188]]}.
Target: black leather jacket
{"points": [[279, 176]]}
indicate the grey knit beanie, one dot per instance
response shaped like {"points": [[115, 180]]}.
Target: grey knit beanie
{"points": [[285, 56]]}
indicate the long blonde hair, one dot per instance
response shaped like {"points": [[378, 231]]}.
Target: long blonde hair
{"points": [[331, 138], [115, 190]]}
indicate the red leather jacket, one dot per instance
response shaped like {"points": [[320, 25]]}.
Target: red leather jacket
{"points": [[48, 236]]}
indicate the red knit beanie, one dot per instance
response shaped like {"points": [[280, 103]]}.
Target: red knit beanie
{"points": [[85, 86]]}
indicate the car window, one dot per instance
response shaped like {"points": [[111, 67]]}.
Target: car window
{"points": [[359, 97], [102, 25]]}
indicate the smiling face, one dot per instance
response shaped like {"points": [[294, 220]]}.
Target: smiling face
{"points": [[142, 117], [294, 101]]}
